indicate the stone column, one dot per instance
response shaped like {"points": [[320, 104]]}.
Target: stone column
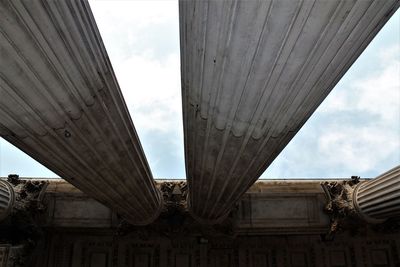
{"points": [[253, 72], [60, 103], [379, 199], [7, 199]]}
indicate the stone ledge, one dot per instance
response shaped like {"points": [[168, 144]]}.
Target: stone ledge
{"points": [[269, 206]]}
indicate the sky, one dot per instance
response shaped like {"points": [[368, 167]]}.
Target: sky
{"points": [[355, 131]]}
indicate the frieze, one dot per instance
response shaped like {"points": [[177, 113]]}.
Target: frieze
{"points": [[389, 226], [175, 219]]}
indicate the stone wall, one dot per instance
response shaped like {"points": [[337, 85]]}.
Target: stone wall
{"points": [[102, 249], [276, 223], [268, 207]]}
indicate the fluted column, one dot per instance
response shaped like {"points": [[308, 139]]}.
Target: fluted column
{"points": [[253, 72], [61, 104], [379, 199], [7, 198]]}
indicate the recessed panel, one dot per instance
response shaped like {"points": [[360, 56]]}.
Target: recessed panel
{"points": [[98, 259], [182, 260], [298, 259], [337, 258], [260, 260], [380, 258], [141, 260], [220, 258]]}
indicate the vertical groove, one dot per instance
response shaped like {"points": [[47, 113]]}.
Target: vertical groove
{"points": [[62, 105], [380, 198], [259, 85], [6, 199]]}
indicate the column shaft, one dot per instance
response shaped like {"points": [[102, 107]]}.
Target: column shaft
{"points": [[379, 199], [7, 199], [61, 104], [253, 72]]}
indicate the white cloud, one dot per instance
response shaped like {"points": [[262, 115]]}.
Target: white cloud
{"points": [[142, 40], [377, 93], [150, 84], [14, 161], [354, 149], [148, 28], [152, 92], [381, 90], [356, 130], [377, 96]]}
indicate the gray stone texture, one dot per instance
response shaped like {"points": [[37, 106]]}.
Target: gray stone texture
{"points": [[253, 72], [61, 104]]}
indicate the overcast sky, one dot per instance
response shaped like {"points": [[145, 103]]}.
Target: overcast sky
{"points": [[355, 131]]}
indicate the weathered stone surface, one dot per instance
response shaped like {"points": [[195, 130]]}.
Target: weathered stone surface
{"points": [[379, 199], [276, 223], [340, 205], [4, 254], [253, 72], [22, 228], [102, 249], [70, 207], [273, 207], [7, 198], [300, 208], [61, 104]]}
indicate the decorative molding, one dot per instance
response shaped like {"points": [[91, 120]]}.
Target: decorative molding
{"points": [[250, 251], [175, 196], [344, 214], [256, 213], [340, 205], [23, 227], [175, 219]]}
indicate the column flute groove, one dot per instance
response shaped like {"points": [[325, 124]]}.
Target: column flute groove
{"points": [[61, 104], [253, 72], [379, 199], [7, 199]]}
